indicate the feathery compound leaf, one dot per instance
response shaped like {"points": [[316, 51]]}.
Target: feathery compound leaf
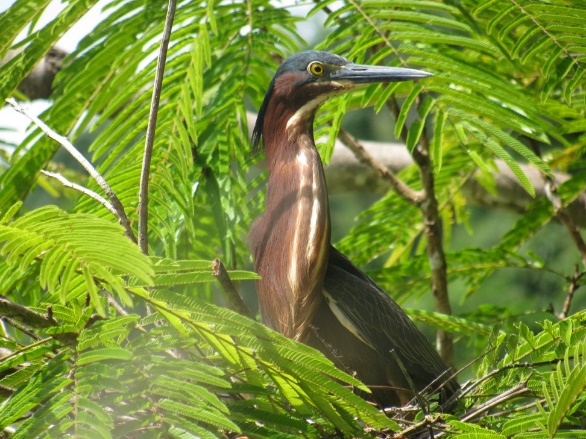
{"points": [[569, 385], [199, 414], [449, 323], [55, 410], [406, 108], [102, 354], [43, 384], [71, 242]]}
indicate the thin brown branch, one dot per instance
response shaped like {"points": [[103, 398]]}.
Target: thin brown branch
{"points": [[14, 353], [20, 327], [408, 194], [475, 384], [429, 423], [67, 145], [143, 213], [232, 297], [554, 197], [571, 290], [552, 194], [518, 409]]}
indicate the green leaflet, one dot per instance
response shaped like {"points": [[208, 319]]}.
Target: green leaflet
{"points": [[102, 354]]}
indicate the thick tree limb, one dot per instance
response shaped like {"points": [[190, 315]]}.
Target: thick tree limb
{"points": [[25, 315]]}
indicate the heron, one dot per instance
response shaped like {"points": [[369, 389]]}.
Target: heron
{"points": [[309, 291]]}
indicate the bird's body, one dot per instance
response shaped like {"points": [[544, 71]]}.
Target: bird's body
{"points": [[309, 291]]}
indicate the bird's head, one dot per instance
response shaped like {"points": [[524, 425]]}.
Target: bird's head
{"points": [[305, 80]]}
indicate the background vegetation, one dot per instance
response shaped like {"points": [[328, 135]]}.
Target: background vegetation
{"points": [[101, 339]]}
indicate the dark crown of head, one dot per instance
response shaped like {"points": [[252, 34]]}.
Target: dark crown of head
{"points": [[296, 63]]}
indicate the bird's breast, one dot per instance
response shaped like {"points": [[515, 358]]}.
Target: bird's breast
{"points": [[290, 243]]}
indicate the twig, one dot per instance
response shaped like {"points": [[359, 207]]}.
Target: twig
{"points": [[420, 399], [21, 328], [429, 421], [514, 392], [143, 213], [571, 290], [553, 196], [13, 354], [525, 365], [114, 304], [65, 182], [116, 204], [519, 409], [422, 402], [410, 195], [230, 294]]}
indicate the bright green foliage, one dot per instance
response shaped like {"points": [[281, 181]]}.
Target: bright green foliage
{"points": [[137, 346]]}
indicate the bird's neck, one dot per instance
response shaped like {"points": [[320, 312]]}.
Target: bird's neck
{"points": [[291, 240]]}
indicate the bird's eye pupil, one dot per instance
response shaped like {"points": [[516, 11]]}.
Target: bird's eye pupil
{"points": [[316, 68]]}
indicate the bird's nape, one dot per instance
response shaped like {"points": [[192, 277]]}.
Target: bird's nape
{"points": [[308, 290]]}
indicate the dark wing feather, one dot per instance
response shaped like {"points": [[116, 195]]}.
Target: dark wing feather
{"points": [[354, 296]]}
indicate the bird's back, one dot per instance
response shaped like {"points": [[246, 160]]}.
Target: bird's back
{"points": [[358, 326]]}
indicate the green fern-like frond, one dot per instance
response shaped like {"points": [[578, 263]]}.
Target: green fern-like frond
{"points": [[546, 36], [69, 246]]}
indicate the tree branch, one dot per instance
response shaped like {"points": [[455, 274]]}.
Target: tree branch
{"points": [[25, 315], [232, 297], [514, 392], [556, 201], [571, 290], [143, 212], [61, 140]]}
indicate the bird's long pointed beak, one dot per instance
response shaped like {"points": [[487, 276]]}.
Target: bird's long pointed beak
{"points": [[364, 74]]}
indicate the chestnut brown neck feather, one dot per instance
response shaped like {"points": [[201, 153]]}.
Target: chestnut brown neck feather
{"points": [[291, 240]]}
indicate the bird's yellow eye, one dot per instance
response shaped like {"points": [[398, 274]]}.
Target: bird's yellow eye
{"points": [[316, 68]]}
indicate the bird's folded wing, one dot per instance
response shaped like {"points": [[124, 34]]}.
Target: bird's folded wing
{"points": [[370, 314]]}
